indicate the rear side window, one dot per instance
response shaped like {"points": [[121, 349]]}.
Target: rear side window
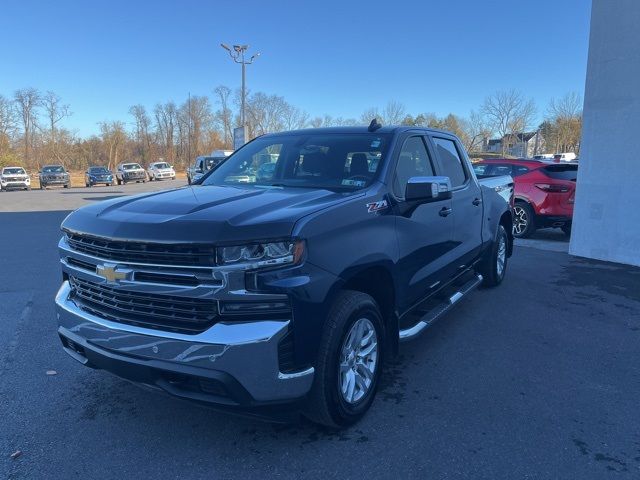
{"points": [[519, 170], [451, 161], [501, 170], [561, 172]]}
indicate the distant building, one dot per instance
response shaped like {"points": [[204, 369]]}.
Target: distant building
{"points": [[524, 145]]}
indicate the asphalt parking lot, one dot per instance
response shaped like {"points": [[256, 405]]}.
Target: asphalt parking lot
{"points": [[538, 379]]}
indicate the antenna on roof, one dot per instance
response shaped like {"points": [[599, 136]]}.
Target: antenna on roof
{"points": [[374, 125]]}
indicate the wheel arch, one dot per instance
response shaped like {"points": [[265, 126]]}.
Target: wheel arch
{"points": [[506, 220], [377, 281]]}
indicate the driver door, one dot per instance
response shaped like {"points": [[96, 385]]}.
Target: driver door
{"points": [[425, 231]]}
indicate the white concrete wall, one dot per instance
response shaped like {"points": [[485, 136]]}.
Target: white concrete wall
{"points": [[606, 223]]}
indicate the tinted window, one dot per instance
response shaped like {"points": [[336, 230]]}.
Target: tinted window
{"points": [[413, 161], [519, 170], [561, 172], [501, 169], [451, 162]]}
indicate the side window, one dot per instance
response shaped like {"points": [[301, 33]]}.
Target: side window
{"points": [[413, 161], [451, 161], [519, 170], [501, 169]]}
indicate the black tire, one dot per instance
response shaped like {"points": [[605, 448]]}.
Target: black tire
{"points": [[524, 220], [566, 229], [490, 269], [326, 404], [66, 185]]}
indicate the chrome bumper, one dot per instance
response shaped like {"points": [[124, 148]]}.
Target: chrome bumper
{"points": [[248, 352]]}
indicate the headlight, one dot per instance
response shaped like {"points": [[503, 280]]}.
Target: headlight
{"points": [[262, 254]]}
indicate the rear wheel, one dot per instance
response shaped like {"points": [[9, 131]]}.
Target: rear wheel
{"points": [[349, 361], [523, 220], [566, 228], [494, 266]]}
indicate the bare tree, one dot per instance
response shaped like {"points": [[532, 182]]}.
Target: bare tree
{"points": [[293, 118], [142, 126], [508, 113], [393, 113], [369, 114], [166, 118], [477, 131], [114, 138], [225, 115], [8, 125], [564, 117], [27, 101], [55, 111]]}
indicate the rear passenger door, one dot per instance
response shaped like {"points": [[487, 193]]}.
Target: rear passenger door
{"points": [[466, 200]]}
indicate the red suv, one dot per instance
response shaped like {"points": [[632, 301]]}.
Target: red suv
{"points": [[544, 193]]}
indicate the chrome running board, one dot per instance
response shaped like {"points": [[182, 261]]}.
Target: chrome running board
{"points": [[435, 313]]}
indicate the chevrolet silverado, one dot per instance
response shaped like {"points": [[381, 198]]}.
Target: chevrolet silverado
{"points": [[288, 289]]}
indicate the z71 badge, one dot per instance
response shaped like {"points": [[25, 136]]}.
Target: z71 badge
{"points": [[377, 206]]}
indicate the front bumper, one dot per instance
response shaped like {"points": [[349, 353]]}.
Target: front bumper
{"points": [[15, 184], [54, 181], [232, 364]]}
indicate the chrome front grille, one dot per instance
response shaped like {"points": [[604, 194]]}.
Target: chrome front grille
{"points": [[142, 252], [162, 312]]}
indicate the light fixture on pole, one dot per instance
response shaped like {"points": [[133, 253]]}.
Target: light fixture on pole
{"points": [[237, 54]]}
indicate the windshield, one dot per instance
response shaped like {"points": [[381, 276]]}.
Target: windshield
{"points": [[98, 170], [53, 169], [13, 171], [161, 165], [330, 161], [131, 166]]}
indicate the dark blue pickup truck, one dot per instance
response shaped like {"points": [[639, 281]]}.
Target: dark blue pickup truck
{"points": [[286, 275]]}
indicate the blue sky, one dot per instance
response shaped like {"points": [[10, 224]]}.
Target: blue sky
{"points": [[333, 57]]}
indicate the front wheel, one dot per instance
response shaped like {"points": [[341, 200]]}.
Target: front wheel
{"points": [[524, 223], [349, 361]]}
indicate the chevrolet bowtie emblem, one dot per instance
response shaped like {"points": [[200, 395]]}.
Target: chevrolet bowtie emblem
{"points": [[110, 273]]}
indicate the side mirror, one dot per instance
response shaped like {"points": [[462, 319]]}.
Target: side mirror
{"points": [[428, 189]]}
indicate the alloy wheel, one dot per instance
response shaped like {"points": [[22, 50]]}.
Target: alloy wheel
{"points": [[502, 255], [520, 220], [358, 361]]}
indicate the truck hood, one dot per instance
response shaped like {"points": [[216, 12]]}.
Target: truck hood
{"points": [[203, 214]]}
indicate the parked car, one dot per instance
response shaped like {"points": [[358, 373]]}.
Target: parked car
{"points": [[130, 172], [544, 157], [14, 178], [205, 163], [96, 175], [565, 157], [291, 291], [161, 171], [544, 193], [54, 175]]}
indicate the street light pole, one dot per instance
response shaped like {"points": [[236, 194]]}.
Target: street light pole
{"points": [[237, 54]]}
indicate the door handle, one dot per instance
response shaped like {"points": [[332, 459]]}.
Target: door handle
{"points": [[445, 211], [476, 201]]}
